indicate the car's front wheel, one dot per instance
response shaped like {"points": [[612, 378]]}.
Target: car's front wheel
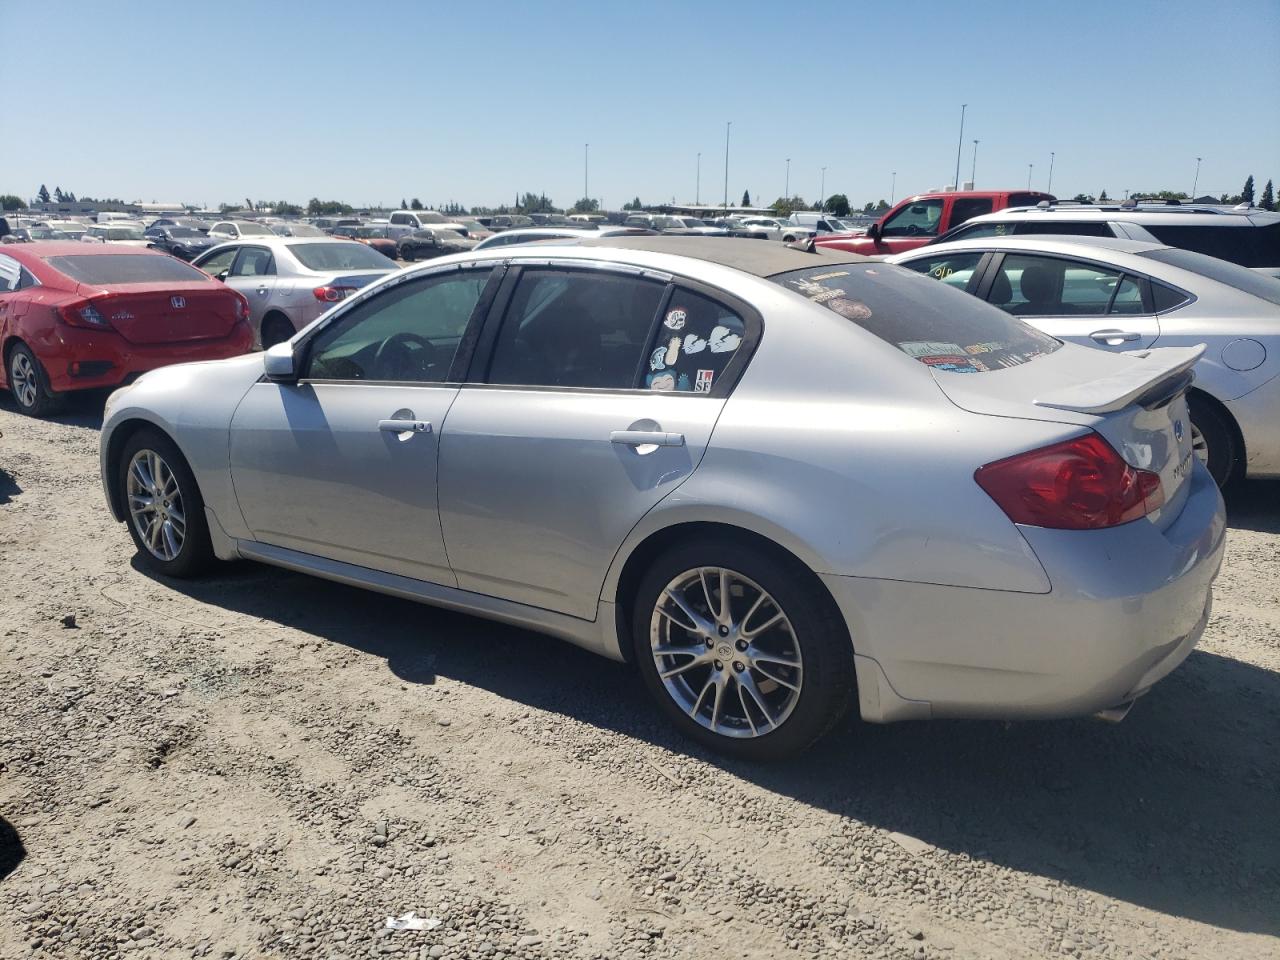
{"points": [[743, 649], [164, 509]]}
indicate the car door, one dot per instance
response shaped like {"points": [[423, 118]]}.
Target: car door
{"points": [[1074, 299], [912, 226], [592, 397], [253, 273], [341, 464]]}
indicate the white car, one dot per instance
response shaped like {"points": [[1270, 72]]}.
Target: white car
{"points": [[1131, 295], [238, 230], [128, 234], [404, 222]]}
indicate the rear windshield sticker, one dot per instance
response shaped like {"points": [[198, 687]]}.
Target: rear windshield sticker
{"points": [[957, 363], [662, 381], [659, 359], [829, 276], [703, 383], [723, 340], [675, 319], [850, 309], [991, 346], [683, 382], [929, 348], [673, 351], [694, 344]]}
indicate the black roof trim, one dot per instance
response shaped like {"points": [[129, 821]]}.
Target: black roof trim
{"points": [[762, 258]]}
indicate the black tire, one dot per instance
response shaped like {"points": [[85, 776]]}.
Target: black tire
{"points": [[276, 329], [406, 255], [827, 684], [195, 554], [31, 394], [1224, 451]]}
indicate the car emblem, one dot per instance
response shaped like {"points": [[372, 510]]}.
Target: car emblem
{"points": [[179, 302], [1177, 430]]}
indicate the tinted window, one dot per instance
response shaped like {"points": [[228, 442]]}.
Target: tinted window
{"points": [[254, 262], [1246, 245], [340, 256], [919, 219], [940, 327], [183, 232], [142, 267], [979, 231], [254, 230], [694, 343], [575, 329], [1067, 228], [1051, 286], [953, 269], [1025, 199], [1166, 298], [1268, 288], [963, 208], [406, 334]]}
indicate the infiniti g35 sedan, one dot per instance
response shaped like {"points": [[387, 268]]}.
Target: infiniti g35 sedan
{"points": [[781, 483]]}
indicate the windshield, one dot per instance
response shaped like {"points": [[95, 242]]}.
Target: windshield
{"points": [[325, 257], [367, 232], [254, 230], [942, 328], [1260, 285], [44, 233], [111, 268], [124, 233], [184, 232]]}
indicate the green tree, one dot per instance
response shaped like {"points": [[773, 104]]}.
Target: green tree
{"points": [[59, 195], [535, 203], [746, 198], [838, 204], [633, 205], [1246, 195], [1082, 198], [586, 205], [1268, 197], [286, 209], [785, 206], [1102, 197], [414, 204], [43, 195], [9, 202], [71, 197], [403, 205], [317, 207]]}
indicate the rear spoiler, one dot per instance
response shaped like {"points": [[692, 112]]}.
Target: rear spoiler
{"points": [[1154, 377]]}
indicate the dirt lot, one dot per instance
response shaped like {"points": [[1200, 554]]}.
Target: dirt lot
{"points": [[267, 765]]}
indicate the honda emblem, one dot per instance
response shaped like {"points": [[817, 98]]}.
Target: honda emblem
{"points": [[177, 302]]}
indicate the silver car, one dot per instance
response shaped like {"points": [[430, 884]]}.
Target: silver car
{"points": [[291, 281], [556, 234], [1122, 295], [781, 483]]}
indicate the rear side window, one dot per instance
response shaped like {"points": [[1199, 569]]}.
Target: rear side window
{"points": [[1268, 288], [965, 208], [694, 343], [108, 268], [1165, 298], [1246, 245], [942, 328], [1065, 228], [567, 328]]}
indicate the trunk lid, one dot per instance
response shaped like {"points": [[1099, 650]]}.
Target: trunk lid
{"points": [[1136, 401], [152, 313]]}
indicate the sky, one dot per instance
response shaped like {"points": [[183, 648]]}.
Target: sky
{"points": [[474, 102]]}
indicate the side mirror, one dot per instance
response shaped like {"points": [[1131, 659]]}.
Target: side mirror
{"points": [[222, 275], [873, 231], [278, 363]]}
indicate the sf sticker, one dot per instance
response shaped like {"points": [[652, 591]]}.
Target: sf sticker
{"points": [[703, 382], [675, 319]]}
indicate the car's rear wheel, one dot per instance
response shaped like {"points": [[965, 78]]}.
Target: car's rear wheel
{"points": [[1213, 442], [164, 509], [28, 382], [742, 649], [406, 254], [276, 329]]}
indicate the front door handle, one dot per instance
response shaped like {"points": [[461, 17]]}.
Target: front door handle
{"points": [[404, 426], [640, 438], [1113, 338]]}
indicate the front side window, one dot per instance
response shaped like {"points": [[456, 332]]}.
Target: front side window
{"points": [[953, 269], [219, 262], [567, 328], [693, 344], [1050, 286], [919, 219], [254, 262], [407, 333]]}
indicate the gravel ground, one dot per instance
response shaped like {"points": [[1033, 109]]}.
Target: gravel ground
{"points": [[267, 765]]}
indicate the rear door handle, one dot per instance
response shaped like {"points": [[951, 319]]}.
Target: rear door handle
{"points": [[1114, 337], [639, 438], [404, 426]]}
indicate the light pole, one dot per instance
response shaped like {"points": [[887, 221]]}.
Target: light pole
{"points": [[586, 168], [727, 126], [1196, 181], [1030, 167], [959, 144], [697, 188], [893, 188], [973, 174], [1049, 188], [822, 192], [786, 191]]}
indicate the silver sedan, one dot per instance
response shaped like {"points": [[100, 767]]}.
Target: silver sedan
{"points": [[1122, 295], [781, 483], [289, 281]]}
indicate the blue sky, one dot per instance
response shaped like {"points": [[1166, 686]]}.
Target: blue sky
{"points": [[370, 102]]}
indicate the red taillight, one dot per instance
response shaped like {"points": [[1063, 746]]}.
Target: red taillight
{"points": [[242, 307], [332, 294], [1080, 484], [82, 313]]}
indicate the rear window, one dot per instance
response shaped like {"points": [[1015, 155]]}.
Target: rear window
{"points": [[253, 230], [1245, 244], [109, 268], [339, 256], [942, 328], [1268, 288]]}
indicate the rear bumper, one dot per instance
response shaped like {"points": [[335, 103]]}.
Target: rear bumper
{"points": [[1127, 606], [77, 359], [1257, 414]]}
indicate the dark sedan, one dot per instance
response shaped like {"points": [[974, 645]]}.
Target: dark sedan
{"points": [[184, 243], [429, 244]]}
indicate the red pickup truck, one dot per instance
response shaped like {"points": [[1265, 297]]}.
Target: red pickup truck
{"points": [[917, 220]]}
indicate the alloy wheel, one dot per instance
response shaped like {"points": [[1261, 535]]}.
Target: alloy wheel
{"points": [[726, 652], [22, 379], [1199, 445], [155, 505]]}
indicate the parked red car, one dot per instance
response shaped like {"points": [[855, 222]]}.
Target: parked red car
{"points": [[920, 219], [76, 316]]}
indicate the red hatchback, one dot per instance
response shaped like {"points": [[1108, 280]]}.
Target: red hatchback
{"points": [[77, 316]]}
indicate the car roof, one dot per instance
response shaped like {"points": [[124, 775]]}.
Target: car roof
{"points": [[67, 248], [1042, 241], [750, 256], [1152, 215]]}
